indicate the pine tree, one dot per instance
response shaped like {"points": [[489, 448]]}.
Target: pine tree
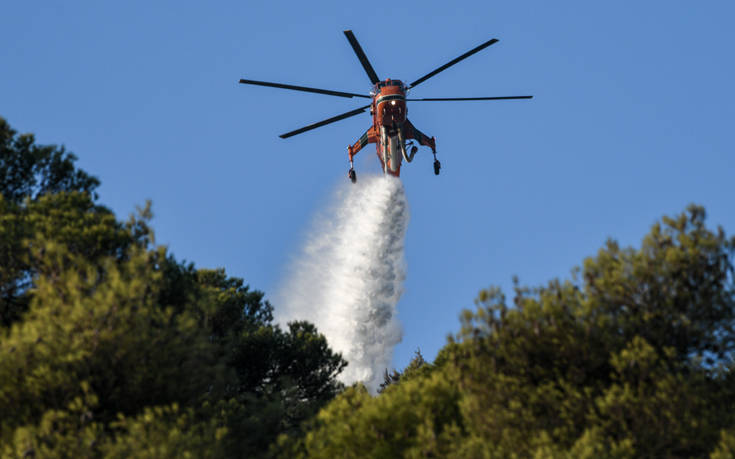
{"points": [[631, 357], [109, 346]]}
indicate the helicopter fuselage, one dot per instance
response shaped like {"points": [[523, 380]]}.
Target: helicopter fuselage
{"points": [[389, 116], [389, 104]]}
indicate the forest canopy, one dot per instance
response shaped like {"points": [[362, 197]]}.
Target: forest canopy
{"points": [[630, 357], [111, 347]]}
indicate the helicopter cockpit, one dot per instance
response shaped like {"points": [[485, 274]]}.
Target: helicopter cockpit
{"points": [[382, 84]]}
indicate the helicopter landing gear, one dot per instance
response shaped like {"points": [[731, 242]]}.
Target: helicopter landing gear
{"points": [[437, 165]]}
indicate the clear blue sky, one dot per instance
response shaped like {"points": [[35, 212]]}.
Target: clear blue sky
{"points": [[633, 118]]}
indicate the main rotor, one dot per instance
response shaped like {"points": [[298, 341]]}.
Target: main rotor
{"points": [[373, 76]]}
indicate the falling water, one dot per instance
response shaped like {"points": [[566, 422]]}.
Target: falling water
{"points": [[348, 278]]}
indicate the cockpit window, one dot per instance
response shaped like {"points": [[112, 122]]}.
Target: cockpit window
{"points": [[383, 84]]}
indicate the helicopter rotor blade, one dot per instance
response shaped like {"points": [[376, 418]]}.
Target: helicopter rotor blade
{"points": [[328, 92], [445, 99], [361, 55], [327, 121], [453, 61]]}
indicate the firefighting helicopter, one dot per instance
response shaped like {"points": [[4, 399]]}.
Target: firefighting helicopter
{"points": [[390, 129]]}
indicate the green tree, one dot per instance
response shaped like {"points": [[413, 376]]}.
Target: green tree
{"points": [[100, 325], [629, 358], [28, 170], [417, 366], [70, 219], [109, 346], [43, 194]]}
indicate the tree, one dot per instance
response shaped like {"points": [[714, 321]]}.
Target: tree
{"points": [[415, 366], [29, 170], [43, 194], [112, 347], [70, 219], [632, 357]]}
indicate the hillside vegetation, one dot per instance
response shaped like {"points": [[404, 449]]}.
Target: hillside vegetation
{"points": [[111, 347]]}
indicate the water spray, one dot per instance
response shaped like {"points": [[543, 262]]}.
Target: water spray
{"points": [[349, 276]]}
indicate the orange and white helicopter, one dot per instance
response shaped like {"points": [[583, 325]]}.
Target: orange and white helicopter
{"points": [[391, 128]]}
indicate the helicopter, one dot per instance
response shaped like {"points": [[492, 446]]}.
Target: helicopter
{"points": [[391, 130]]}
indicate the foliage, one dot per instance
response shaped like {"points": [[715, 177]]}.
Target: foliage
{"points": [[111, 347], [630, 358], [726, 447], [70, 219], [29, 170], [416, 366]]}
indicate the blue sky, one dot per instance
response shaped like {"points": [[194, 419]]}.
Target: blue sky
{"points": [[632, 119]]}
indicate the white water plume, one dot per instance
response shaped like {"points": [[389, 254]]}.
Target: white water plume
{"points": [[349, 276]]}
